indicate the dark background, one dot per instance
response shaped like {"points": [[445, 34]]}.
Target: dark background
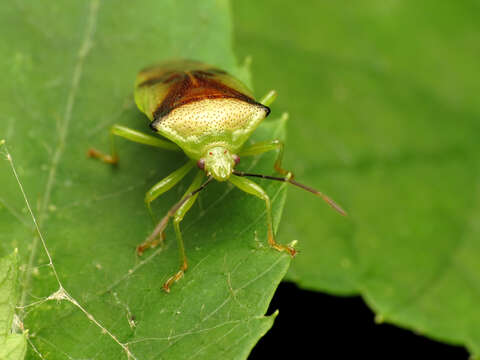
{"points": [[315, 323]]}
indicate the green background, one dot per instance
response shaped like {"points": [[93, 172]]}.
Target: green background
{"points": [[383, 99], [383, 104]]}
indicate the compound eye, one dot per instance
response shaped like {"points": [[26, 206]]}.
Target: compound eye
{"points": [[201, 164], [236, 158]]}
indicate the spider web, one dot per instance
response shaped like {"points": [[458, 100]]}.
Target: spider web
{"points": [[61, 293]]}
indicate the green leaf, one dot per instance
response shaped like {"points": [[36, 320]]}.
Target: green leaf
{"points": [[383, 98], [12, 346], [8, 292], [68, 70]]}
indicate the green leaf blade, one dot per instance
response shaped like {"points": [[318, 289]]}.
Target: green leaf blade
{"points": [[8, 291], [69, 76], [13, 346]]}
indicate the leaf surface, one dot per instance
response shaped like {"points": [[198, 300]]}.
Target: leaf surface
{"points": [[13, 345], [68, 70]]}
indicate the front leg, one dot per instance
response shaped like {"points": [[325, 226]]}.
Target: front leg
{"points": [[177, 211], [166, 184], [263, 147], [158, 189], [177, 219], [250, 187]]}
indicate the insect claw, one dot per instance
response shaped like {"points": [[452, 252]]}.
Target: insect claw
{"points": [[109, 159], [171, 280], [92, 153], [291, 248], [291, 251], [140, 250], [287, 248]]}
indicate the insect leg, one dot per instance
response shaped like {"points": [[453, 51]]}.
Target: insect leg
{"points": [[132, 135], [269, 98], [166, 184], [250, 187], [177, 218], [264, 146]]}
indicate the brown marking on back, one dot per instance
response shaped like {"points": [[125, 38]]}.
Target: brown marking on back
{"points": [[194, 86], [164, 78], [217, 71], [192, 78], [204, 73]]}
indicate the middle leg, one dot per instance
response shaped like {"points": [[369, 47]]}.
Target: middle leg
{"points": [[178, 212]]}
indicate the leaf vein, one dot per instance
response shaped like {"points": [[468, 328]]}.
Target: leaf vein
{"points": [[62, 134]]}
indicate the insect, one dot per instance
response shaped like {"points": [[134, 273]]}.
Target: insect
{"points": [[209, 115]]}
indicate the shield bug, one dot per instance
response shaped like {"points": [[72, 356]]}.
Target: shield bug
{"points": [[209, 115]]}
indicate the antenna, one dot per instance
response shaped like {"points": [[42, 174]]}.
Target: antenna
{"points": [[329, 201]]}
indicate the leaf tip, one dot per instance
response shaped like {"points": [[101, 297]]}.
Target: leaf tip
{"points": [[379, 319], [275, 314]]}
